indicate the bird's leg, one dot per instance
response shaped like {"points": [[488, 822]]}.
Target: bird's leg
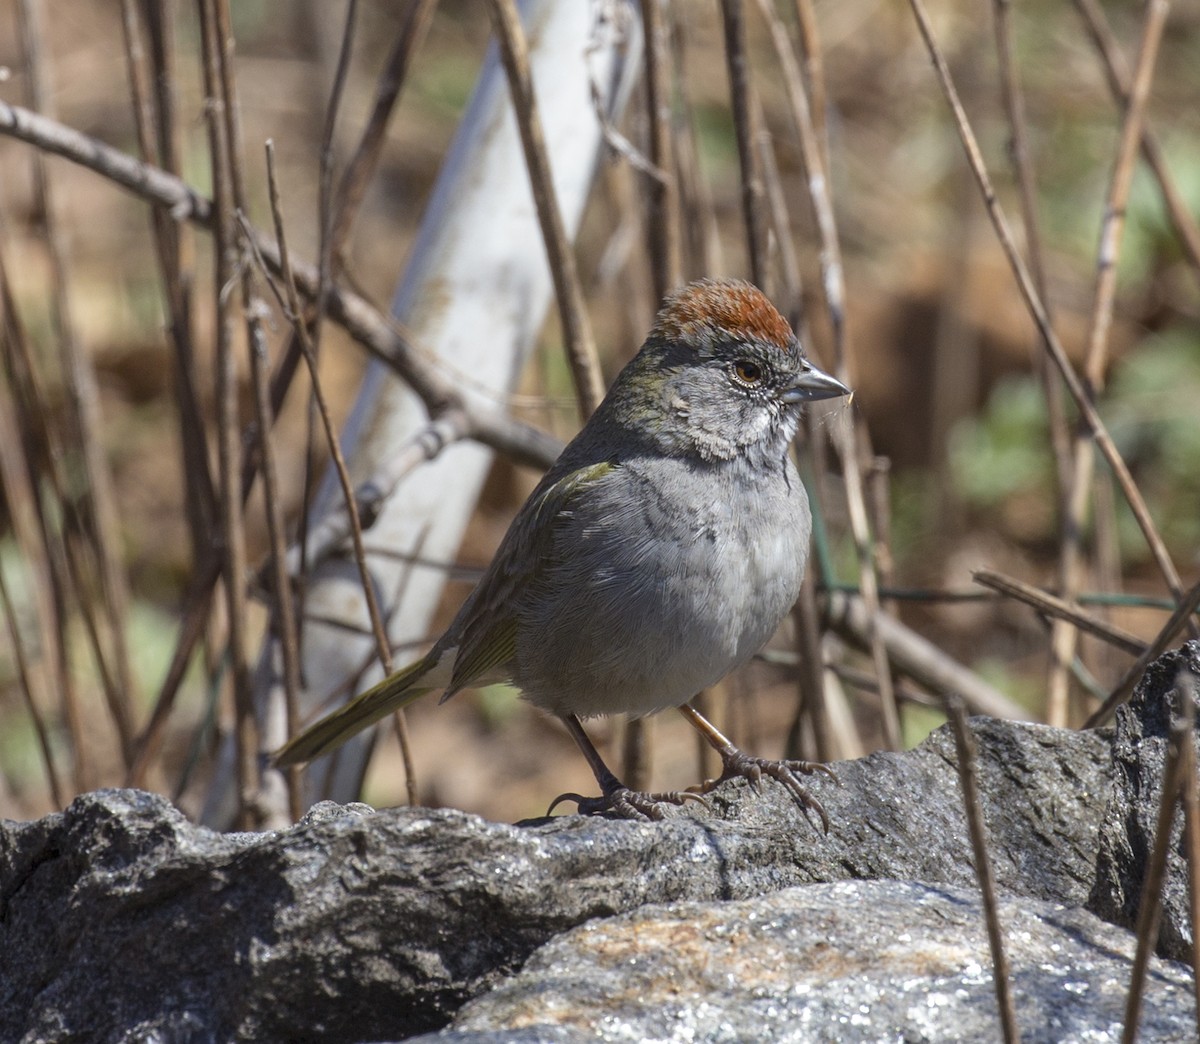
{"points": [[738, 763], [614, 795]]}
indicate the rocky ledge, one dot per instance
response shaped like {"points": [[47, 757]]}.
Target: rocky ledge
{"points": [[122, 921]]}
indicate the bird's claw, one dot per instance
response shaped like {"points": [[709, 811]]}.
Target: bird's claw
{"points": [[628, 804], [737, 764]]}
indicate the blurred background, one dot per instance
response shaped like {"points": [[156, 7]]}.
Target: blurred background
{"points": [[957, 448]]}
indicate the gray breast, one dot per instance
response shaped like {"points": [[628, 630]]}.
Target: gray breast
{"points": [[659, 584]]}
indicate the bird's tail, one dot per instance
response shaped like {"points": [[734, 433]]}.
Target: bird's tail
{"points": [[395, 691]]}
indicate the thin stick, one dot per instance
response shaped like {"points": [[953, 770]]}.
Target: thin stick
{"points": [[139, 89], [701, 247], [84, 424], [733, 23], [1037, 309], [848, 438], [199, 495], [312, 326], [663, 225], [810, 682], [31, 536], [864, 681], [1120, 693], [284, 616], [68, 572], [1106, 567], [325, 203], [814, 72], [1108, 253], [810, 703], [228, 431], [331, 247], [1118, 78], [1057, 608], [339, 462], [1022, 161], [968, 773], [357, 176], [777, 213], [253, 309], [810, 679], [27, 689], [833, 277], [1113, 226], [1062, 643], [177, 260], [1190, 796], [1150, 901], [568, 291], [917, 657]]}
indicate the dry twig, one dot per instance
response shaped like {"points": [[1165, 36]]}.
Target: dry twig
{"points": [[581, 346], [663, 224], [968, 772], [1095, 361], [1150, 901], [1058, 609], [229, 456], [1118, 78]]}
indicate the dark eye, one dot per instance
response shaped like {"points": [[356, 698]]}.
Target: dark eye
{"points": [[747, 372]]}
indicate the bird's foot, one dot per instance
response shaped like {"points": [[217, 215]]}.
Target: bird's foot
{"points": [[787, 771], [619, 800]]}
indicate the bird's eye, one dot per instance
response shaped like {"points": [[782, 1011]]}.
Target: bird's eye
{"points": [[747, 372]]}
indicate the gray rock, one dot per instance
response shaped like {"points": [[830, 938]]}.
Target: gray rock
{"points": [[850, 961], [119, 920], [1139, 753]]}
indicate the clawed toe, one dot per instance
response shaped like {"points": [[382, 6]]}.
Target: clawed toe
{"points": [[628, 804], [738, 763], [788, 772]]}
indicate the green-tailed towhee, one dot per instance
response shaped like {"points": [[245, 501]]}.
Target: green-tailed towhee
{"points": [[662, 549]]}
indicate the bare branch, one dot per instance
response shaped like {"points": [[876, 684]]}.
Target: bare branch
{"points": [[968, 775], [581, 345], [1058, 609]]}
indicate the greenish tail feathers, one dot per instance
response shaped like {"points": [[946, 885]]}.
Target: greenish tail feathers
{"points": [[395, 691]]}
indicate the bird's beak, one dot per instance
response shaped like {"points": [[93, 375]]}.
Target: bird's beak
{"points": [[812, 384]]}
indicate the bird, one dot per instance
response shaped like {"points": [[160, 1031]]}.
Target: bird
{"points": [[661, 550]]}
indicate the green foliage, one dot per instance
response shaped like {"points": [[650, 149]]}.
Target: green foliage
{"points": [[1027, 690], [913, 494], [151, 634], [20, 753], [497, 703], [917, 722], [1151, 412], [445, 86], [1149, 237], [1005, 450], [716, 141]]}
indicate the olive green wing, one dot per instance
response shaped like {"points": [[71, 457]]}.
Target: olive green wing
{"points": [[485, 630], [482, 637]]}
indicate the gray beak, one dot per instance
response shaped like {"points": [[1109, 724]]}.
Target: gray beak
{"points": [[812, 384]]}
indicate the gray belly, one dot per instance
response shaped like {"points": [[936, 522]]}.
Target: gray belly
{"points": [[645, 602]]}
